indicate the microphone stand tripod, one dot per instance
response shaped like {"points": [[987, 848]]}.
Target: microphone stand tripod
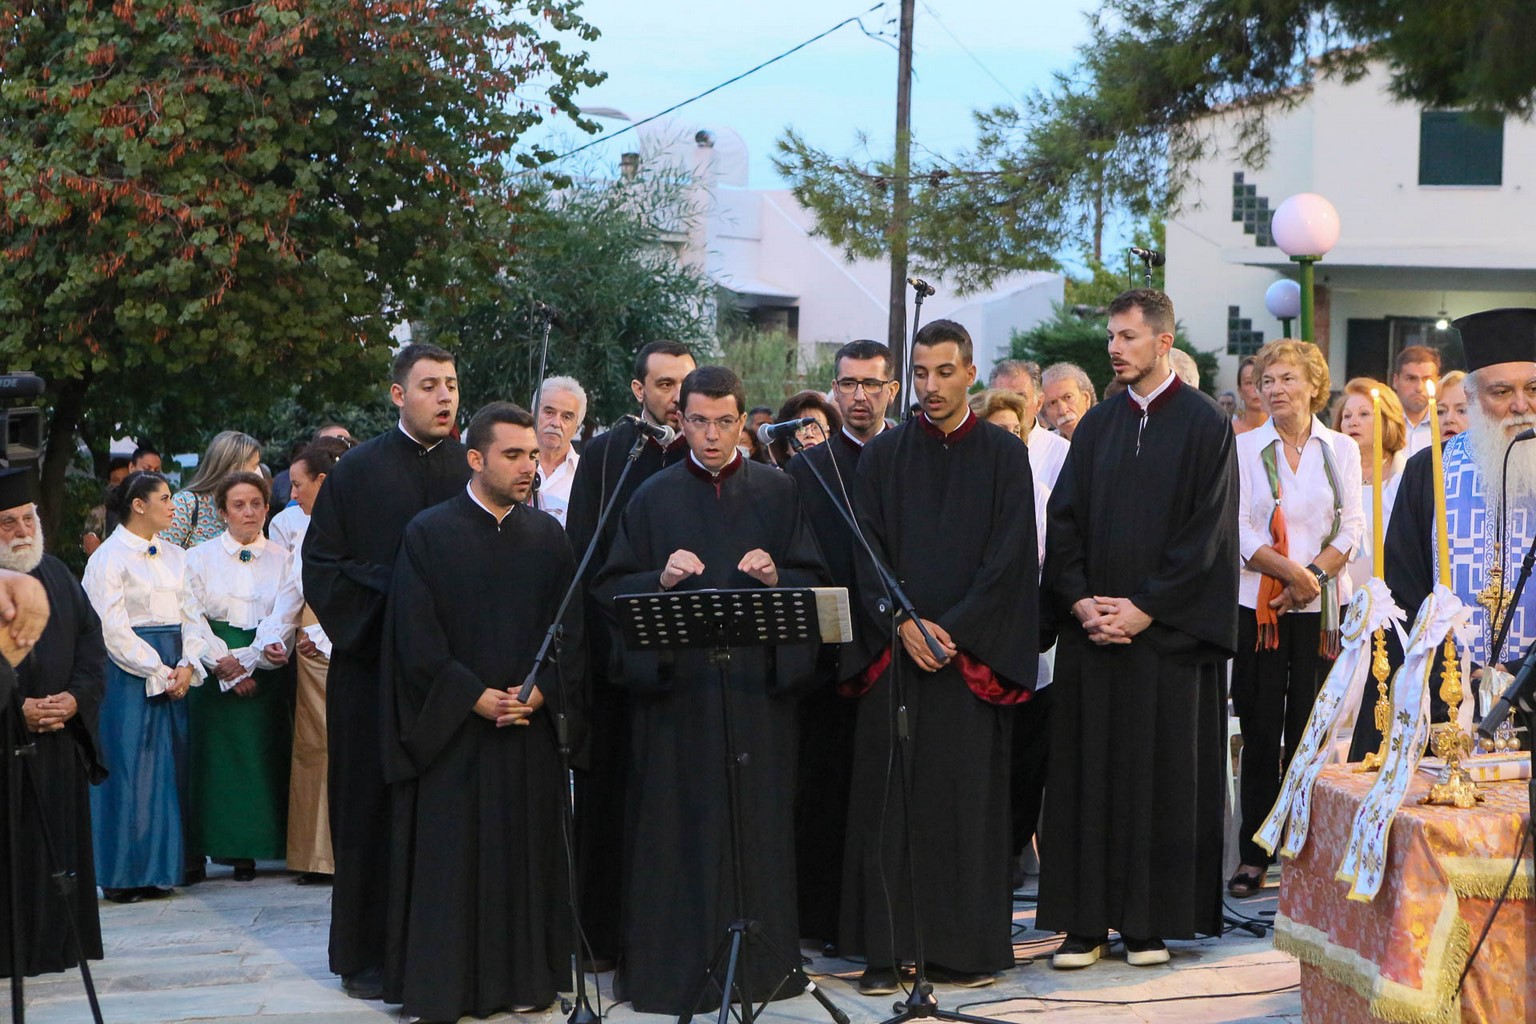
{"points": [[581, 1011], [920, 1002], [546, 315], [921, 290]]}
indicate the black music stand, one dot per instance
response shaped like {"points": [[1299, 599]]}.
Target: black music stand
{"points": [[722, 620]]}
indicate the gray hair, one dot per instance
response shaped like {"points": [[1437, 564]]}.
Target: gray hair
{"points": [[571, 387], [1069, 371], [1013, 368], [1184, 366]]}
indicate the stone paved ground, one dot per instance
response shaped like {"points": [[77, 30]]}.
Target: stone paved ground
{"points": [[230, 953]]}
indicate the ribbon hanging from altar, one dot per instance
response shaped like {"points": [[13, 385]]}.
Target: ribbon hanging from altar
{"points": [[1372, 608], [1442, 615]]}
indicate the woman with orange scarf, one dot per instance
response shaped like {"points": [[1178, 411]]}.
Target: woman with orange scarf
{"points": [[1299, 517]]}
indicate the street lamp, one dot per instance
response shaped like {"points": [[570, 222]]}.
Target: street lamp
{"points": [[1306, 227], [1283, 300]]}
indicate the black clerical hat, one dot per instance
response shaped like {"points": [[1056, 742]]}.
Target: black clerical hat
{"points": [[17, 487], [1498, 336]]}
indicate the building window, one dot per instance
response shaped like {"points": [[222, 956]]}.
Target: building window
{"points": [[1459, 147], [1251, 210], [1242, 339]]}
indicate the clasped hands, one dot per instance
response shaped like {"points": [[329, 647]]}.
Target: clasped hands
{"points": [[756, 563], [49, 714], [1301, 589], [229, 669], [503, 707], [1110, 620]]}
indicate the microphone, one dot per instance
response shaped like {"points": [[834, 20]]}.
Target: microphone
{"points": [[1524, 435], [548, 312], [1512, 694], [922, 287], [1152, 256], [21, 385], [771, 432], [662, 435]]}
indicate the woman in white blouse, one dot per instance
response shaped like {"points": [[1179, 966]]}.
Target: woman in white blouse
{"points": [[137, 584], [240, 717], [309, 827], [1299, 519], [1354, 419]]}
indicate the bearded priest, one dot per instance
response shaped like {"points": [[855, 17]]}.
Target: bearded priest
{"points": [[1501, 402]]}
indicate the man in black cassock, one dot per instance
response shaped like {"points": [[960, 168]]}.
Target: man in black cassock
{"points": [[349, 556], [863, 387], [603, 753], [479, 914], [60, 683], [714, 521], [947, 501], [1141, 583]]}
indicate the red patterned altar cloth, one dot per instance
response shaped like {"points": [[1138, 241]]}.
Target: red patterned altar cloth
{"points": [[1398, 957]]}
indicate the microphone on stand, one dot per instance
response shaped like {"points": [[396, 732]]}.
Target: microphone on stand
{"points": [[920, 286], [548, 312], [771, 432], [663, 435], [1152, 256]]}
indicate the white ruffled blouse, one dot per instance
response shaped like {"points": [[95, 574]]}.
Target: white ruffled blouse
{"points": [[135, 582], [235, 583]]}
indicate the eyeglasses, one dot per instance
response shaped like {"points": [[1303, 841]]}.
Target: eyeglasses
{"points": [[848, 385], [812, 430], [703, 423]]}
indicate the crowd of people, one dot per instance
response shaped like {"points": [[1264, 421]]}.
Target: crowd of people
{"points": [[335, 677]]}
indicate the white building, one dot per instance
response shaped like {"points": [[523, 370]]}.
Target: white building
{"points": [[1436, 224], [758, 245]]}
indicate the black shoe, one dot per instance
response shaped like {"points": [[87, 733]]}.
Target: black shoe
{"points": [[1079, 951], [245, 871], [878, 981], [1245, 884], [941, 975], [365, 984], [312, 878], [154, 892], [121, 895], [195, 875], [1145, 952]]}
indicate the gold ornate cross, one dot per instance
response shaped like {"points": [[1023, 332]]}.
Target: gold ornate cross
{"points": [[1492, 596]]}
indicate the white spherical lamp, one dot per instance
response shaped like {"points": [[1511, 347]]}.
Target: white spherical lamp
{"points": [[1283, 299], [1306, 224]]}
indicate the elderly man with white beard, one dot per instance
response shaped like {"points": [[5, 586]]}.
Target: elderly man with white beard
{"points": [[61, 682], [1501, 401]]}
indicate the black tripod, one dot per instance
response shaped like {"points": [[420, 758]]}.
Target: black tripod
{"points": [[920, 1001], [921, 290], [18, 748], [581, 1011], [722, 620]]}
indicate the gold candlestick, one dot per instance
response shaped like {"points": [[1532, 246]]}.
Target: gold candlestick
{"points": [[1380, 668], [1382, 714], [1453, 787]]}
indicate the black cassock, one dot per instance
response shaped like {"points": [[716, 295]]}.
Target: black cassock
{"points": [[1132, 837], [955, 520], [349, 556], [678, 883], [69, 656], [826, 716], [602, 752], [479, 915]]}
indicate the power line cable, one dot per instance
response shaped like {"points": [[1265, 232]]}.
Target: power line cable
{"points": [[729, 81]]}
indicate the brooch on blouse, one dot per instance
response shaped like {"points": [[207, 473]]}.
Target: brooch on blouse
{"points": [[245, 555], [151, 551]]}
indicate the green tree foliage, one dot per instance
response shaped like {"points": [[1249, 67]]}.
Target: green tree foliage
{"points": [[1069, 338], [772, 365], [1114, 136], [204, 204], [601, 252]]}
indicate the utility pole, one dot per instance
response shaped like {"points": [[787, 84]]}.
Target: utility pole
{"points": [[901, 194]]}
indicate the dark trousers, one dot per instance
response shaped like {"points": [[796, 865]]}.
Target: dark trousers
{"points": [[1272, 692], [1031, 750]]}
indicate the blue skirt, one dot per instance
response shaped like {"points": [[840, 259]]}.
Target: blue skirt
{"points": [[136, 814]]}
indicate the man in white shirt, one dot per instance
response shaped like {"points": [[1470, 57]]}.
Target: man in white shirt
{"points": [[1415, 367], [1067, 395], [561, 408], [1047, 451]]}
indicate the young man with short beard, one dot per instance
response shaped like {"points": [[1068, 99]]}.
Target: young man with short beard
{"points": [[1501, 401]]}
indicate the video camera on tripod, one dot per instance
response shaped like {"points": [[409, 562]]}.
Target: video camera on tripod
{"points": [[23, 424]]}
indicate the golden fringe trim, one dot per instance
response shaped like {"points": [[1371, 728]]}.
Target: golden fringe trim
{"points": [[1482, 879], [1399, 1004]]}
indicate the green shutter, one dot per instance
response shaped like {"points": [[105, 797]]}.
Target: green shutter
{"points": [[1458, 147]]}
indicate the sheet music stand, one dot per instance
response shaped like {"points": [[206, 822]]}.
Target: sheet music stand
{"points": [[721, 620]]}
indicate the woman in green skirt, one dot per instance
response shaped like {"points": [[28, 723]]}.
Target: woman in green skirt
{"points": [[241, 722]]}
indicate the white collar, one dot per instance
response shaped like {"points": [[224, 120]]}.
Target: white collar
{"points": [[133, 542], [407, 433], [470, 490], [569, 460], [256, 547], [1145, 402], [1267, 434], [850, 436]]}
